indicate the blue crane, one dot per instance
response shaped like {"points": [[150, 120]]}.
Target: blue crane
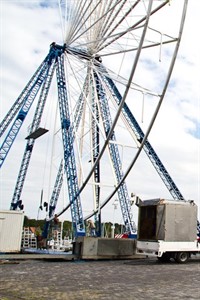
{"points": [[42, 79], [31, 141], [69, 156]]}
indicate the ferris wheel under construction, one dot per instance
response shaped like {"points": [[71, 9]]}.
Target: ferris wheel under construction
{"points": [[99, 73]]}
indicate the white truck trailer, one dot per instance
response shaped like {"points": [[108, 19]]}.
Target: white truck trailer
{"points": [[167, 229]]}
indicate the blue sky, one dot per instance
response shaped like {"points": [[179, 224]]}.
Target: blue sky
{"points": [[28, 28]]}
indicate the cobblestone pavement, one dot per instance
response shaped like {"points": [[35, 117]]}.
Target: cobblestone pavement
{"points": [[85, 280]]}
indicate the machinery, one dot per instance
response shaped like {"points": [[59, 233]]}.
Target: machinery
{"points": [[86, 88]]}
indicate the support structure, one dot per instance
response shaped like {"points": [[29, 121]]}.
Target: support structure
{"points": [[100, 113]]}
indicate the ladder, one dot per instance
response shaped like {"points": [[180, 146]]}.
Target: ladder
{"points": [[28, 238]]}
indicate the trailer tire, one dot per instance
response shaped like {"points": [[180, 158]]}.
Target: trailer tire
{"points": [[182, 257], [165, 258]]}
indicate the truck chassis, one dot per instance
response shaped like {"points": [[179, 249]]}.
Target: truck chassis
{"points": [[165, 250]]}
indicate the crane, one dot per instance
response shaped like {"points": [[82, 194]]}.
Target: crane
{"points": [[95, 28], [42, 78]]}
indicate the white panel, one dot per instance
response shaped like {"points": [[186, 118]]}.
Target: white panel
{"points": [[11, 224]]}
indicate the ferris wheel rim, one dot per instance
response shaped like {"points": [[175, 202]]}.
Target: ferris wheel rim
{"points": [[150, 126], [153, 118]]}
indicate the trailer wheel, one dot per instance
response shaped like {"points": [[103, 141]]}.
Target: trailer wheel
{"points": [[165, 258], [182, 257]]}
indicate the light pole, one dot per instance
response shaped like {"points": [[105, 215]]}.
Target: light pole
{"points": [[115, 204]]}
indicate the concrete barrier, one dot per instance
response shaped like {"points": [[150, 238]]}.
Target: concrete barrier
{"points": [[104, 248]]}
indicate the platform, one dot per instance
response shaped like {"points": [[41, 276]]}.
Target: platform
{"points": [[37, 133]]}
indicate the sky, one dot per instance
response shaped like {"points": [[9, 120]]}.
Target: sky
{"points": [[28, 28]]}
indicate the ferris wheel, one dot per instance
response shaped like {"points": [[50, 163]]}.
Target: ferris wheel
{"points": [[112, 60]]}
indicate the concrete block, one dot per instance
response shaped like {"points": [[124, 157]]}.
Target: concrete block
{"points": [[119, 247], [104, 248]]}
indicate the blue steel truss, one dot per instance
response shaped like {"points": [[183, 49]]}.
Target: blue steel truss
{"points": [[56, 190], [28, 96], [158, 165], [30, 143], [59, 178], [95, 154], [30, 90], [124, 199], [69, 156], [42, 78], [54, 198]]}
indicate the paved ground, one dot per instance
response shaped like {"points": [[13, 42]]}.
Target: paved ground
{"points": [[85, 280]]}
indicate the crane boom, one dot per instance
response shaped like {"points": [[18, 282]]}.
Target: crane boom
{"points": [[69, 156], [25, 107], [30, 142], [23, 96]]}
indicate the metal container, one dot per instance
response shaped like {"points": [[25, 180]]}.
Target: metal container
{"points": [[11, 224], [167, 220]]}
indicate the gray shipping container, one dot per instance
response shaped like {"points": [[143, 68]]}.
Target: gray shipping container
{"points": [[11, 225], [167, 220]]}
